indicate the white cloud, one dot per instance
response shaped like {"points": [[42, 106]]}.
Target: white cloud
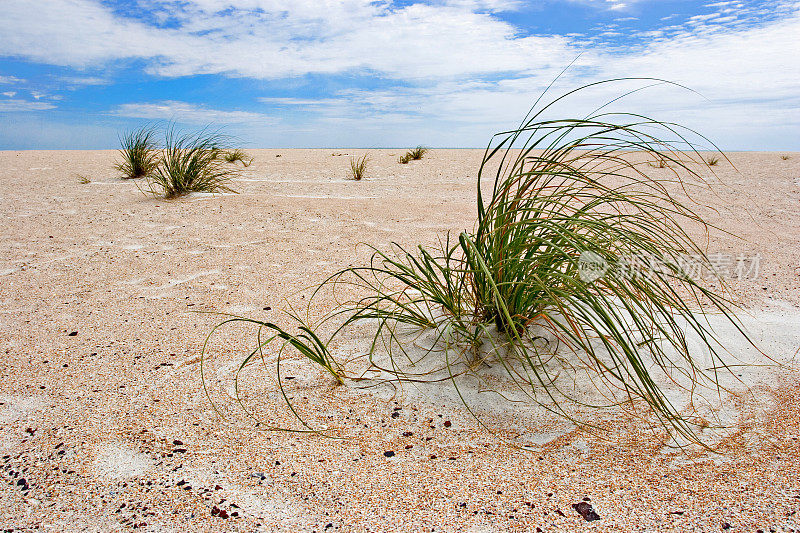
{"points": [[18, 105], [10, 94], [10, 79], [271, 39], [81, 81], [184, 112]]}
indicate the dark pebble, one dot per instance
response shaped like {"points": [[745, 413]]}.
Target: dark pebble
{"points": [[388, 453], [72, 334], [586, 511], [176, 442]]}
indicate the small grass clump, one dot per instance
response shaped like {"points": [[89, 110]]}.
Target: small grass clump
{"points": [[712, 161], [521, 293], [83, 180], [414, 154], [237, 155], [358, 167], [192, 162], [139, 153]]}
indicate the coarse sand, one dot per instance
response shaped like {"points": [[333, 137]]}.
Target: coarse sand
{"points": [[105, 424]]}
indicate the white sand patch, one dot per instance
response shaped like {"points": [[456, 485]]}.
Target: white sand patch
{"points": [[327, 196], [133, 247], [16, 407], [196, 196], [488, 391], [191, 277], [240, 309], [119, 461], [7, 271]]}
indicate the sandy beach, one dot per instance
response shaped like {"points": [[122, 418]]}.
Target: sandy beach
{"points": [[105, 424]]}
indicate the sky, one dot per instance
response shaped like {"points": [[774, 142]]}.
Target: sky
{"points": [[74, 74]]}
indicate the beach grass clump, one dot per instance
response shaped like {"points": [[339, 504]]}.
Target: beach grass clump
{"points": [[414, 154], [83, 180], [573, 271], [192, 162], [238, 155], [712, 161], [139, 153], [358, 167]]}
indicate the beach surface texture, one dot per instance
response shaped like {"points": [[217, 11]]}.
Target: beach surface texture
{"points": [[107, 423]]}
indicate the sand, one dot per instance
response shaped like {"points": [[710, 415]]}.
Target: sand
{"points": [[105, 425]]}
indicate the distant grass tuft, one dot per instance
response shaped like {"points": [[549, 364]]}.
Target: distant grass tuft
{"points": [[358, 167], [414, 154], [712, 161], [232, 156], [83, 180], [139, 153], [192, 162]]}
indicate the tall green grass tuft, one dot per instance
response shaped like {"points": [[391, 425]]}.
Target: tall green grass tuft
{"points": [[544, 288], [192, 162], [358, 167], [139, 153]]}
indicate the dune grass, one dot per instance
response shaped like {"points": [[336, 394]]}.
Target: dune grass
{"points": [[83, 180], [414, 154], [552, 196], [712, 161], [358, 167], [237, 155], [192, 162], [139, 153]]}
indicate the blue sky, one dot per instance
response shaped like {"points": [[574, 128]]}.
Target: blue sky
{"points": [[355, 73]]}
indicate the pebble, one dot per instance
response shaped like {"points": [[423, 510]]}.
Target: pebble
{"points": [[586, 511]]}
